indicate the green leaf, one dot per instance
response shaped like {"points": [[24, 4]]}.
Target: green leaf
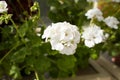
{"points": [[114, 53], [23, 29], [15, 72], [82, 54], [66, 63], [42, 64], [69, 9], [94, 56], [20, 55]]}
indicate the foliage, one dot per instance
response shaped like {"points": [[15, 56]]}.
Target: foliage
{"points": [[68, 10], [24, 51]]}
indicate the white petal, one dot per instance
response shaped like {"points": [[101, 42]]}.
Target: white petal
{"points": [[98, 40], [70, 50], [89, 43]]}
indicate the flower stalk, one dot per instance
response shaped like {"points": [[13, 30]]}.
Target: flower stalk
{"points": [[8, 53], [36, 75]]}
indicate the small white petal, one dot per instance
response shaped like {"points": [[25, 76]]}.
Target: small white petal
{"points": [[98, 40], [70, 50], [38, 34], [89, 43], [38, 29]]}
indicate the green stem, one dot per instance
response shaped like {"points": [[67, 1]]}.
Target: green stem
{"points": [[38, 11], [117, 12], [40, 18], [8, 53], [36, 75], [42, 23], [21, 6], [92, 21], [15, 26]]}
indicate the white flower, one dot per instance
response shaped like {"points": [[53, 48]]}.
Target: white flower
{"points": [[63, 37], [93, 35], [92, 0], [112, 22], [94, 13], [3, 6], [116, 1]]}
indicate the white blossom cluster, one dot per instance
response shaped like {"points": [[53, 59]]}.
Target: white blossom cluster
{"points": [[3, 6], [92, 35], [111, 22], [63, 37], [94, 13]]}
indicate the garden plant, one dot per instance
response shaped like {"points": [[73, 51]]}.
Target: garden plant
{"points": [[80, 30]]}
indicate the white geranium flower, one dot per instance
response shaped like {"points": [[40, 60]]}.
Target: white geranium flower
{"points": [[63, 37], [3, 6], [116, 1], [93, 35], [94, 13], [92, 0], [112, 22]]}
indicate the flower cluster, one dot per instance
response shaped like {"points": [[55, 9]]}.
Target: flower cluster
{"points": [[63, 37], [94, 13], [93, 35], [112, 22]]}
